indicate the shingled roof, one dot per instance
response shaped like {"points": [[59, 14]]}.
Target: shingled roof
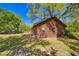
{"points": [[52, 18]]}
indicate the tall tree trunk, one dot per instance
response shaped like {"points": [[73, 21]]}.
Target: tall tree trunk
{"points": [[50, 12]]}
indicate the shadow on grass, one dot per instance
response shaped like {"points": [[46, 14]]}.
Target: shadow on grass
{"points": [[16, 44], [72, 40], [74, 46], [72, 36]]}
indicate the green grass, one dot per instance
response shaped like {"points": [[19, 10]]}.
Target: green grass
{"points": [[73, 43], [12, 43], [61, 47], [74, 46], [9, 43]]}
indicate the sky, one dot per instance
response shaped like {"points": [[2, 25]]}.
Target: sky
{"points": [[17, 8]]}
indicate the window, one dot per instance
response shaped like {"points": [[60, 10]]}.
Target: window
{"points": [[61, 32], [51, 27], [48, 24], [52, 23]]}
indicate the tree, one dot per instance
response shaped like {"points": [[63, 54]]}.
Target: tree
{"points": [[9, 22], [40, 11]]}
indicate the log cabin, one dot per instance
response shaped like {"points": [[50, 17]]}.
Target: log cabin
{"points": [[51, 27]]}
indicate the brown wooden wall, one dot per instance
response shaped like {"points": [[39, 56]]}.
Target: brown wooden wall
{"points": [[45, 30]]}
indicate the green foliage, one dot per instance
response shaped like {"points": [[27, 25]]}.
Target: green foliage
{"points": [[43, 11], [28, 28], [50, 8], [10, 23], [72, 25]]}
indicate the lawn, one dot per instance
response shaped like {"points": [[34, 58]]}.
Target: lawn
{"points": [[13, 42], [72, 42], [17, 44]]}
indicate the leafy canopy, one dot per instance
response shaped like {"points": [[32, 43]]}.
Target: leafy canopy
{"points": [[10, 22], [65, 12]]}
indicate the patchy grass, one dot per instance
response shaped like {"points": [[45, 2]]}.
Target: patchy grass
{"points": [[73, 43], [16, 44], [9, 43], [7, 35], [61, 48]]}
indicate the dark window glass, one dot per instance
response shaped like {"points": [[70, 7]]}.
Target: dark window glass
{"points": [[51, 27]]}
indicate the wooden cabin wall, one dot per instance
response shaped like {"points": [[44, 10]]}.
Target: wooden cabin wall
{"points": [[50, 28]]}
